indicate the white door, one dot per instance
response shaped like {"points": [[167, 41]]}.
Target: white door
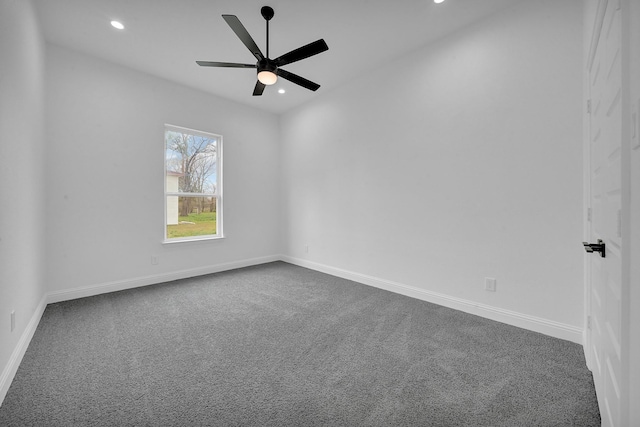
{"points": [[605, 141]]}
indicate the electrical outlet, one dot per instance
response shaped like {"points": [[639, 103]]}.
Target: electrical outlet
{"points": [[155, 260], [489, 284], [13, 320]]}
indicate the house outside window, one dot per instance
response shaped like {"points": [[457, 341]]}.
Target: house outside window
{"points": [[193, 185]]}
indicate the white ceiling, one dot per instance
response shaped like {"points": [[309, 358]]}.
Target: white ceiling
{"points": [[166, 37]]}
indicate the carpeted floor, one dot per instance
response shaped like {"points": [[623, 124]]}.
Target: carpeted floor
{"points": [[280, 345]]}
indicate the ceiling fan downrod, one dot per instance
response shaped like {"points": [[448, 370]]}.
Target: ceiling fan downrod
{"points": [[267, 13]]}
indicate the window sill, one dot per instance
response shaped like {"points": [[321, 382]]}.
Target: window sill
{"points": [[191, 239]]}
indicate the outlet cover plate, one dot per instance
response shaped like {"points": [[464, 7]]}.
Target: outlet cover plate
{"points": [[490, 284]]}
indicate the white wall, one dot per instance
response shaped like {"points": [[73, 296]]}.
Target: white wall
{"points": [[22, 196], [105, 176], [460, 161]]}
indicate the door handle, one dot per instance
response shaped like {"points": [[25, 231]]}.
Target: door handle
{"points": [[595, 247]]}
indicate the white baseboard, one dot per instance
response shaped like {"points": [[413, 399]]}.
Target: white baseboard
{"points": [[11, 367], [537, 324], [525, 321], [533, 323], [120, 285]]}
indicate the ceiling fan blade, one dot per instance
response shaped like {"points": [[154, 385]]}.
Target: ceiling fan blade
{"points": [[243, 34], [257, 91], [224, 64], [294, 78], [303, 52]]}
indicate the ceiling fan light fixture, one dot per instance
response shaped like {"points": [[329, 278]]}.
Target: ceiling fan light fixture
{"points": [[267, 77]]}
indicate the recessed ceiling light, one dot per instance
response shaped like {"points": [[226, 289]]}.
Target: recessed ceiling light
{"points": [[117, 24], [438, 1], [281, 91]]}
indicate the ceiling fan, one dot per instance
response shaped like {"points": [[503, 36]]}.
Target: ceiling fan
{"points": [[269, 69]]}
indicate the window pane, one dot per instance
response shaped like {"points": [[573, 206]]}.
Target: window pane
{"points": [[191, 216], [191, 162]]}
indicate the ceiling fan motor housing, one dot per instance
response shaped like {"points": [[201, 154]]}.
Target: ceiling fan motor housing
{"points": [[266, 65]]}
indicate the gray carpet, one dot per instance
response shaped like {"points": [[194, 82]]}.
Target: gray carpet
{"points": [[280, 345]]}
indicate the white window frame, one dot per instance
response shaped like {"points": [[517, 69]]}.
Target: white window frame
{"points": [[218, 192]]}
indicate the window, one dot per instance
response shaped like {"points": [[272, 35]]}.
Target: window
{"points": [[193, 184]]}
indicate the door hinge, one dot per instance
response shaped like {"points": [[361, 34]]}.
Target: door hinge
{"points": [[589, 214], [588, 106], [589, 322]]}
